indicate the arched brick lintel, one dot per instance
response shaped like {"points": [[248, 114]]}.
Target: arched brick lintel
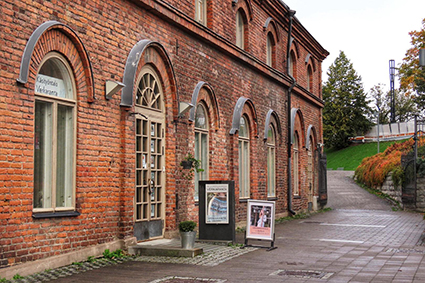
{"points": [[132, 65], [238, 111], [212, 98], [78, 44]]}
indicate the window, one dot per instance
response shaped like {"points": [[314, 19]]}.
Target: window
{"points": [[270, 46], [240, 30], [201, 145], [54, 140], [201, 11], [296, 165], [309, 79], [292, 65], [310, 166], [244, 158], [271, 157]]}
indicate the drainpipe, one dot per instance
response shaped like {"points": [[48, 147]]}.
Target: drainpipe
{"points": [[290, 15]]}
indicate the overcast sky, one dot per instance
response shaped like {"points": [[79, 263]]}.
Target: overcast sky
{"points": [[370, 32]]}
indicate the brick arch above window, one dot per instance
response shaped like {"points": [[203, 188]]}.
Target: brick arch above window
{"points": [[210, 99], [244, 105], [297, 125], [55, 36], [271, 117], [160, 61], [246, 5], [270, 26], [311, 132], [310, 60]]}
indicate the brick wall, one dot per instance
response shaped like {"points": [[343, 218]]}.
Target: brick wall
{"points": [[105, 156]]}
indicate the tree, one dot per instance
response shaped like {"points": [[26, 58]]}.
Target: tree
{"points": [[412, 76], [405, 107], [346, 105]]}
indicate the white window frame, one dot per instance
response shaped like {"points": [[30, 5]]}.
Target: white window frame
{"points": [[271, 162], [269, 50], [240, 30], [296, 191], [201, 11], [244, 162], [51, 168], [201, 151]]}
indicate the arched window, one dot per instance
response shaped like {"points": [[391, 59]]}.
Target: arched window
{"points": [[292, 65], [270, 46], [149, 90], [240, 30], [201, 11], [296, 165], [271, 162], [310, 169], [244, 162], [309, 79], [54, 140], [201, 145]]}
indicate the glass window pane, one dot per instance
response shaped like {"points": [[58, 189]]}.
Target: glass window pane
{"points": [[65, 151], [43, 155], [200, 119], [243, 131], [54, 79]]}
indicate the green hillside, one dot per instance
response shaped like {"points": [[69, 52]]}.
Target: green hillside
{"points": [[351, 157]]}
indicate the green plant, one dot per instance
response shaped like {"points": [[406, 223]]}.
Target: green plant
{"points": [[91, 259], [17, 276], [3, 280], [77, 263], [191, 163], [187, 226], [116, 254]]}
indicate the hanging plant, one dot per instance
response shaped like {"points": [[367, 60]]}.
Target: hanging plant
{"points": [[191, 163]]}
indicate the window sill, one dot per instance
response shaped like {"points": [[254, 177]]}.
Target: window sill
{"points": [[243, 200], [297, 197], [272, 198], [55, 214]]}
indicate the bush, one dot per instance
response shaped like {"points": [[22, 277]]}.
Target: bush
{"points": [[187, 226], [373, 170]]}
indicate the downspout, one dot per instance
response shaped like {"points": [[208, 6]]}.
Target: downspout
{"points": [[290, 15]]}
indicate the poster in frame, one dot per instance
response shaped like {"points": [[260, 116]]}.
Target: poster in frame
{"points": [[260, 220], [217, 204]]}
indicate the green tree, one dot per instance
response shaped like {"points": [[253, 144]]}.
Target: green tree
{"points": [[412, 76], [405, 107], [346, 105]]}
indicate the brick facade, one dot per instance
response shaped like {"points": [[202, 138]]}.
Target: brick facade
{"points": [[96, 38]]}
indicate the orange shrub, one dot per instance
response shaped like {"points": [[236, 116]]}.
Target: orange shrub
{"points": [[374, 169]]}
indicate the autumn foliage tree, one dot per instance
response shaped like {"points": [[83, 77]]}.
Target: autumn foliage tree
{"points": [[346, 105], [412, 76]]}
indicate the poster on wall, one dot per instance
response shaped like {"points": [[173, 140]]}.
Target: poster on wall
{"points": [[217, 203], [260, 220]]}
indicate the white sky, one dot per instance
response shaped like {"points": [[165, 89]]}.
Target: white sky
{"points": [[370, 32]]}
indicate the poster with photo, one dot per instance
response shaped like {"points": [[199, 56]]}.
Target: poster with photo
{"points": [[217, 203], [260, 220]]}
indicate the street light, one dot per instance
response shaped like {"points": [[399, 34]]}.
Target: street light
{"points": [[392, 75]]}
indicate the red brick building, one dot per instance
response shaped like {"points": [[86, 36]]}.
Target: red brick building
{"points": [[84, 168]]}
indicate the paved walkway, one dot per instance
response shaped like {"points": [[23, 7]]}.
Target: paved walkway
{"points": [[360, 240]]}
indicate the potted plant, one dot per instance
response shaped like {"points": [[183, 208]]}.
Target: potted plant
{"points": [[187, 234], [191, 163]]}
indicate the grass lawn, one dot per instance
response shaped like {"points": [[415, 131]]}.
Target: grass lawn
{"points": [[351, 157]]}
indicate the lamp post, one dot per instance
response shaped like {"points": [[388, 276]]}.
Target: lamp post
{"points": [[422, 57], [392, 75]]}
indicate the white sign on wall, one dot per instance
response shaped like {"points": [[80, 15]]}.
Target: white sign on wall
{"points": [[50, 86]]}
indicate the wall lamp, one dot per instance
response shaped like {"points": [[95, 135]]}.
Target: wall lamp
{"points": [[422, 57], [112, 87], [184, 107]]}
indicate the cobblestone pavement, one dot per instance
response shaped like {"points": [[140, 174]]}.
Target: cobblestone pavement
{"points": [[360, 240]]}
